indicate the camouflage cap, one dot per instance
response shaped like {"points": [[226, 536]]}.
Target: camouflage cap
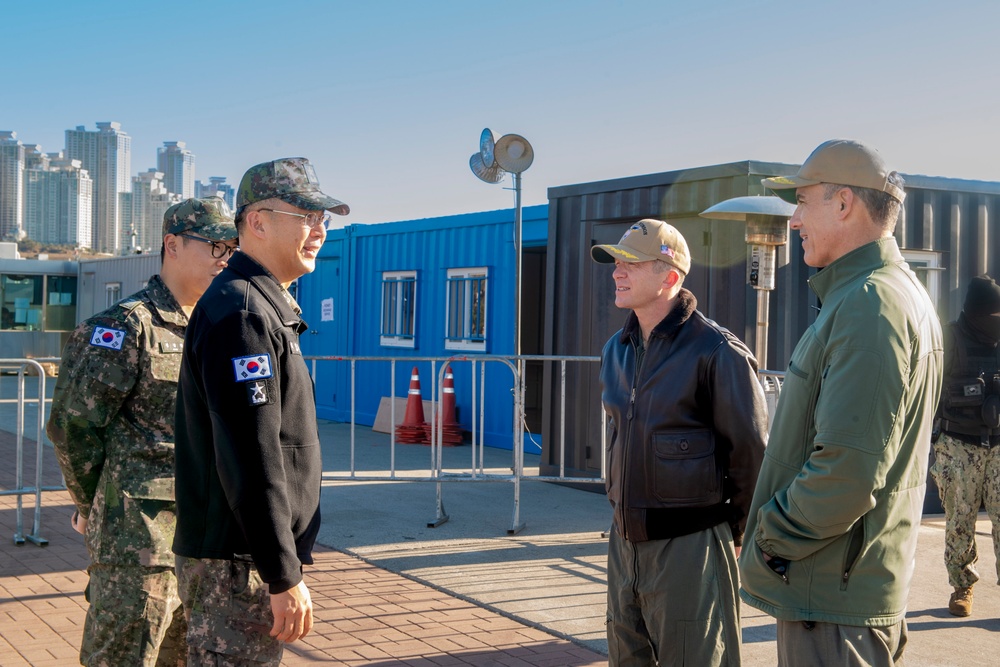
{"points": [[291, 179], [209, 217]]}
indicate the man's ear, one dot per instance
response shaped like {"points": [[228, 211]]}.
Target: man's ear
{"points": [[254, 224], [672, 278], [846, 201], [170, 243]]}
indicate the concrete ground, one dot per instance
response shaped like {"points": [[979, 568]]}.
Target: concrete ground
{"points": [[552, 575]]}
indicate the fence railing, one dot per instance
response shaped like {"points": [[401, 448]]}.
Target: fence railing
{"points": [[476, 472], [770, 380], [20, 402]]}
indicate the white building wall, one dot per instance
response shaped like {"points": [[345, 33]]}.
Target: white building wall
{"points": [[11, 186], [106, 154], [177, 165]]}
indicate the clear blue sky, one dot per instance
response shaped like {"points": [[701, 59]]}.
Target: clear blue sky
{"points": [[388, 98]]}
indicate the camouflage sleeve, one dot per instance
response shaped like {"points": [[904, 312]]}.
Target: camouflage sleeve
{"points": [[94, 381]]}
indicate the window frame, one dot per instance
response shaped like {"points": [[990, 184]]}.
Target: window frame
{"points": [[927, 265], [22, 313], [467, 341], [396, 282], [112, 293]]}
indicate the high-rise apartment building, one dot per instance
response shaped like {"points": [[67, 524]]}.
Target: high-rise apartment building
{"points": [[58, 200], [34, 158], [11, 187], [177, 165], [106, 154], [216, 187], [149, 200]]}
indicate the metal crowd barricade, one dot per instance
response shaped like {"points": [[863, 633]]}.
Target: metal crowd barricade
{"points": [[20, 489], [477, 471], [771, 381]]}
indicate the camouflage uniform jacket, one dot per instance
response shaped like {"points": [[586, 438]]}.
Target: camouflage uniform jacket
{"points": [[112, 425]]}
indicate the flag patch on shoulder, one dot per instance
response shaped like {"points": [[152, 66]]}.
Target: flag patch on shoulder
{"points": [[253, 367], [106, 337]]}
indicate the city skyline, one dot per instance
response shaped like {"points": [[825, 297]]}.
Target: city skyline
{"points": [[389, 111], [83, 194]]}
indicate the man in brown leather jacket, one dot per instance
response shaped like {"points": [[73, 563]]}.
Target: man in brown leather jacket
{"points": [[688, 427]]}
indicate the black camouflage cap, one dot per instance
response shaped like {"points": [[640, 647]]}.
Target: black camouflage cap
{"points": [[209, 217], [291, 179]]}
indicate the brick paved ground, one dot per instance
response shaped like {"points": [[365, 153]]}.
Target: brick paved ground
{"points": [[365, 615]]}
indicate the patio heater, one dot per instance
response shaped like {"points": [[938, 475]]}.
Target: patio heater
{"points": [[766, 221]]}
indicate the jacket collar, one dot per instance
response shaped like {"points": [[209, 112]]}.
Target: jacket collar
{"points": [[267, 285], [684, 307], [860, 261], [162, 299]]}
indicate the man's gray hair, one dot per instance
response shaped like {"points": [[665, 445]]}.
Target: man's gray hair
{"points": [[882, 207]]}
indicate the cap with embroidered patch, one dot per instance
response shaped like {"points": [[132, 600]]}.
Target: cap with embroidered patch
{"points": [[838, 162], [646, 241], [209, 217], [291, 179]]}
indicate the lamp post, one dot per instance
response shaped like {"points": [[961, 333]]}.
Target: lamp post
{"points": [[510, 153], [766, 219]]}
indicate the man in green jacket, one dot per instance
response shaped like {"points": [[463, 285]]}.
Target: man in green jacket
{"points": [[832, 533]]}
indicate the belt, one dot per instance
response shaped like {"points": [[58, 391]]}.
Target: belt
{"points": [[984, 437]]}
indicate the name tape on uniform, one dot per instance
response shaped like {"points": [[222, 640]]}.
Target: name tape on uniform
{"points": [[106, 337], [253, 367]]}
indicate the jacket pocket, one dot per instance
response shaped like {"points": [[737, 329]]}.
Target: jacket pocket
{"points": [[855, 544], [685, 473]]}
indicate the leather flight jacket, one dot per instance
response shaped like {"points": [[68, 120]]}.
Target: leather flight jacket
{"points": [[688, 426]]}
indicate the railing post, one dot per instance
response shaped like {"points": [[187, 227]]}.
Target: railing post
{"points": [[36, 525], [516, 525], [353, 408], [19, 477], [562, 418]]}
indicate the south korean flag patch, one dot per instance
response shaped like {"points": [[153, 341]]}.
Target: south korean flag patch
{"points": [[254, 367], [107, 337], [258, 393]]}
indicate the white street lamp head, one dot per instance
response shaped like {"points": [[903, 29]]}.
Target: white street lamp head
{"points": [[513, 153]]}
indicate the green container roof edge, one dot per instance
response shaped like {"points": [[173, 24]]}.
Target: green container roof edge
{"points": [[753, 168]]}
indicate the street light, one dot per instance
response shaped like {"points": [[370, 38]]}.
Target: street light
{"points": [[510, 153], [766, 219]]}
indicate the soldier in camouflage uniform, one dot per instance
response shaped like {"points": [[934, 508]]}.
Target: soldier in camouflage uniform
{"points": [[112, 425], [248, 453], [967, 453]]}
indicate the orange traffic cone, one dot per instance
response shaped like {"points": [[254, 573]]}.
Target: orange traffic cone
{"points": [[412, 429], [451, 431]]}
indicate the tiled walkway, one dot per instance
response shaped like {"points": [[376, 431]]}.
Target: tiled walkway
{"points": [[365, 615]]}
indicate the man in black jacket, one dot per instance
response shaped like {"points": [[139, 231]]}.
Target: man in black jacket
{"points": [[688, 425], [967, 453], [248, 460]]}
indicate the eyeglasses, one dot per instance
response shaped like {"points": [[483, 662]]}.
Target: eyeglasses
{"points": [[219, 250], [312, 220]]}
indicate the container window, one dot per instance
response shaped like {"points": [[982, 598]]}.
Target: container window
{"points": [[465, 323], [399, 309]]}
